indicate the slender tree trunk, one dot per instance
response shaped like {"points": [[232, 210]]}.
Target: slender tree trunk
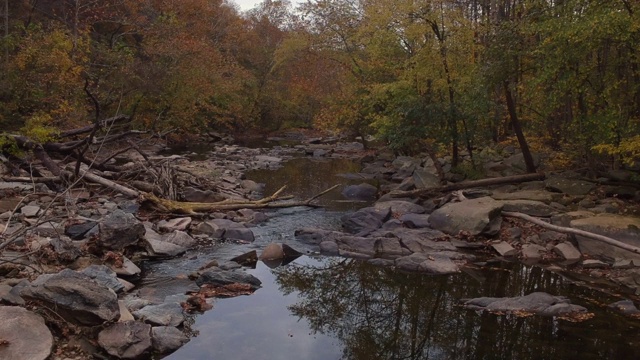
{"points": [[517, 128], [6, 30]]}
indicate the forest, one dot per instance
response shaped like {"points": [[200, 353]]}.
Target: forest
{"points": [[447, 76]]}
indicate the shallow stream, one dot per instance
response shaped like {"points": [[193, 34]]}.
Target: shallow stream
{"points": [[331, 308]]}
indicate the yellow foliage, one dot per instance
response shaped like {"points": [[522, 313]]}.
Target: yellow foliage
{"points": [[628, 150]]}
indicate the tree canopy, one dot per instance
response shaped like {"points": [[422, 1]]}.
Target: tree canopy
{"points": [[447, 75]]}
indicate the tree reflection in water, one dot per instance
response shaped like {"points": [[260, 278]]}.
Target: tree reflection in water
{"points": [[381, 313]]}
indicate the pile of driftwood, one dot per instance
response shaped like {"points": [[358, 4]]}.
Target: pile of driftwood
{"points": [[86, 155]]}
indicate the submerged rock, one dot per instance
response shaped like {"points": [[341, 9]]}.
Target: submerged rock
{"points": [[538, 303], [24, 334], [362, 192]]}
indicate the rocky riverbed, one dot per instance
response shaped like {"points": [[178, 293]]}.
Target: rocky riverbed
{"points": [[70, 277]]}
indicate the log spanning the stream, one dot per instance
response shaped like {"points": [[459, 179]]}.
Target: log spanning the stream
{"points": [[270, 202], [428, 192]]}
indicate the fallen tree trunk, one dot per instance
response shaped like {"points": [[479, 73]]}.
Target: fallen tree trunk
{"points": [[192, 208], [568, 230], [467, 185]]}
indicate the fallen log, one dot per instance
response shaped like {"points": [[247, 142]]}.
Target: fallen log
{"points": [[568, 230], [467, 185], [192, 208]]}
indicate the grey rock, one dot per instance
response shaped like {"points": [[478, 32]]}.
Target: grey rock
{"points": [[219, 277], [538, 303], [430, 263], [166, 339], [622, 228], [126, 340], [419, 240], [567, 251], [191, 194], [365, 220], [532, 251], [120, 230], [529, 207], [9, 297], [64, 248], [75, 296], [25, 333], [170, 225], [504, 249], [594, 264], [569, 186], [165, 314], [424, 179], [329, 248], [30, 210], [399, 207], [517, 161], [104, 276], [475, 216], [272, 251], [128, 268], [156, 246], [415, 220], [180, 238], [364, 192], [78, 231], [226, 229], [626, 307]]}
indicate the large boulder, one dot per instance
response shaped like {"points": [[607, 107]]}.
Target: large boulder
{"points": [[622, 228], [74, 296], [120, 230], [25, 335], [166, 339], [424, 179], [475, 216], [126, 340]]}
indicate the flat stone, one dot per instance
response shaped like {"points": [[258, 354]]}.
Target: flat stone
{"points": [[170, 225], [535, 195], [567, 251], [104, 276], [538, 303], [128, 268], [415, 220], [626, 307], [156, 245], [532, 251], [25, 335], [399, 207], [166, 339], [430, 263], [9, 297], [218, 277], [74, 296], [569, 186], [424, 179], [594, 264], [30, 211], [504, 249], [191, 194], [126, 340], [366, 220], [78, 231], [180, 238], [165, 314], [125, 314], [529, 207]]}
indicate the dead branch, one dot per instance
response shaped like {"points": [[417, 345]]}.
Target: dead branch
{"points": [[568, 230], [429, 192], [269, 202]]}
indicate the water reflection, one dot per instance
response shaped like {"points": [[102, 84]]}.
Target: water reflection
{"points": [[379, 313], [306, 177]]}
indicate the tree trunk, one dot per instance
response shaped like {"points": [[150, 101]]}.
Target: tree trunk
{"points": [[517, 128]]}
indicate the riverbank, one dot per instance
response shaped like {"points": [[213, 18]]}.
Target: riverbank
{"points": [[108, 237]]}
